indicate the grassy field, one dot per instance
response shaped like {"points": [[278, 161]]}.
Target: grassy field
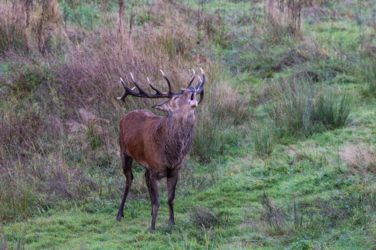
{"points": [[284, 151]]}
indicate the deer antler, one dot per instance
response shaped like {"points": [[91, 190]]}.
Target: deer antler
{"points": [[142, 92], [159, 94]]}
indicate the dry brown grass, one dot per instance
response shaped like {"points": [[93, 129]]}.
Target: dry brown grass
{"points": [[284, 17], [29, 27], [361, 159]]}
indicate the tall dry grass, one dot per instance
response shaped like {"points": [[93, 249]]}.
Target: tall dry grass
{"points": [[284, 17], [29, 26]]}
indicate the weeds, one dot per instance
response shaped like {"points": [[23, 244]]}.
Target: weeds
{"points": [[5, 244], [368, 78], [27, 27], [293, 108], [332, 108], [361, 159], [203, 217], [12, 31], [300, 109], [284, 18], [262, 136]]}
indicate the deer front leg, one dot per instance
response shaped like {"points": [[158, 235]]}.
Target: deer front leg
{"points": [[127, 168], [154, 188], [171, 186]]}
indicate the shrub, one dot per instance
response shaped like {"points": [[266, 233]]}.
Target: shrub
{"points": [[300, 109], [222, 109], [367, 77], [332, 108], [12, 33], [292, 109], [25, 76], [262, 136]]}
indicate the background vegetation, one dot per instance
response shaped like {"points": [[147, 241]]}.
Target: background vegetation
{"points": [[284, 152]]}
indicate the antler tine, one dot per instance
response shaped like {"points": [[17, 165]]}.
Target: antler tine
{"points": [[139, 87], [152, 86], [198, 83], [123, 95], [128, 91], [168, 82], [200, 86], [193, 77]]}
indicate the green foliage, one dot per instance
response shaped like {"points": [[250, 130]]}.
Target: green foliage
{"points": [[85, 14], [293, 108], [25, 77], [367, 77], [213, 132], [332, 108], [300, 109], [262, 136], [93, 136]]}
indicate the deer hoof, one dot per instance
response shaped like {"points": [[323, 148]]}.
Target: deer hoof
{"points": [[151, 230], [119, 215]]}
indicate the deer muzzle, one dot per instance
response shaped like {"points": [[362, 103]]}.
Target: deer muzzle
{"points": [[193, 102]]}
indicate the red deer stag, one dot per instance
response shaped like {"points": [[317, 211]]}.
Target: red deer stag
{"points": [[158, 143]]}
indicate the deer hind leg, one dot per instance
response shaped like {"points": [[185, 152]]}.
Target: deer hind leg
{"points": [[154, 188], [147, 179], [127, 168], [171, 186]]}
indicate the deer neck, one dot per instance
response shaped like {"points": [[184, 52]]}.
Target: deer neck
{"points": [[177, 132], [186, 121]]}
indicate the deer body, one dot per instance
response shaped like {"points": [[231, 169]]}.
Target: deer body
{"points": [[158, 143]]}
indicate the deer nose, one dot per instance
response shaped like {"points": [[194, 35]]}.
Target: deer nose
{"points": [[193, 102], [193, 96]]}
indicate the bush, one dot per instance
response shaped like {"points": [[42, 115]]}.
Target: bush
{"points": [[262, 136], [299, 109], [12, 32], [367, 77], [222, 109], [332, 108], [293, 107]]}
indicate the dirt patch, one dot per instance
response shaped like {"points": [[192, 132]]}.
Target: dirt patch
{"points": [[360, 158], [290, 59]]}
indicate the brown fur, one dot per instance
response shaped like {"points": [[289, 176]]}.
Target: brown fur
{"points": [[160, 144]]}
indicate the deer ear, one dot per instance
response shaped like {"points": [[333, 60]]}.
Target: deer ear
{"points": [[162, 106]]}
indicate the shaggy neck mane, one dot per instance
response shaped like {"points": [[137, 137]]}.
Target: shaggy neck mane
{"points": [[179, 132]]}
